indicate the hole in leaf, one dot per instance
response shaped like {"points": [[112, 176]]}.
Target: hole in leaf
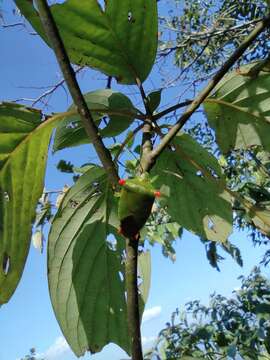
{"points": [[213, 173], [104, 123], [111, 311], [111, 242], [130, 16], [6, 196], [53, 2], [121, 276], [210, 224], [73, 203], [72, 125], [199, 173], [6, 263], [101, 3]]}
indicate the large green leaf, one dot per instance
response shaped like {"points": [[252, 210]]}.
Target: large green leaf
{"points": [[239, 110], [196, 198], [120, 41], [260, 217], [24, 144], [144, 266], [86, 274], [70, 132]]}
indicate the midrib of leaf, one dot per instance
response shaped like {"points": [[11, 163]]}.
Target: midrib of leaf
{"points": [[122, 112], [257, 117]]}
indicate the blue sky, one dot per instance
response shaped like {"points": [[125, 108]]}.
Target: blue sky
{"points": [[27, 320]]}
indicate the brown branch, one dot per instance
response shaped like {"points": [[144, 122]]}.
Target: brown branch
{"points": [[134, 323], [207, 35], [91, 129], [50, 91], [12, 25], [53, 88], [150, 125], [261, 26], [171, 109], [133, 313]]}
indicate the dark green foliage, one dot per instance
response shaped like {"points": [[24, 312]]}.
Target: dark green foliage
{"points": [[65, 166], [84, 235], [24, 142], [110, 40], [196, 199], [32, 355], [112, 112], [228, 328]]}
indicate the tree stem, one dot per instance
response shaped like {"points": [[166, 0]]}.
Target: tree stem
{"points": [[133, 312]]}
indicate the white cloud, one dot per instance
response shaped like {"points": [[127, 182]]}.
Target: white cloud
{"points": [[151, 313], [58, 348], [148, 339]]}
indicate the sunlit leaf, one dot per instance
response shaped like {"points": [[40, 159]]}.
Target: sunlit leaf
{"points": [[239, 110], [196, 199], [24, 142], [86, 274], [144, 266], [120, 40], [70, 132]]}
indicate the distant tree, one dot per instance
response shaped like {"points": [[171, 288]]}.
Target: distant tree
{"points": [[228, 328], [32, 355]]}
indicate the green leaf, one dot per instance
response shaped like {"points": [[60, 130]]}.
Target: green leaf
{"points": [[70, 132], [196, 200], [239, 110], [86, 274], [120, 41], [261, 219], [263, 310], [144, 265], [154, 99], [24, 142]]}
